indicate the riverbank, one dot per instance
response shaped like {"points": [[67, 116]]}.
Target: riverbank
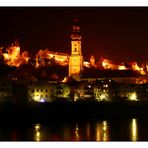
{"points": [[71, 111]]}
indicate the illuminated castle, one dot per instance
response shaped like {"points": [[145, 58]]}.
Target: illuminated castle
{"points": [[73, 65], [76, 58]]}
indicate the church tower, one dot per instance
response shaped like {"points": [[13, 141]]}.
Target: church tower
{"points": [[76, 58]]}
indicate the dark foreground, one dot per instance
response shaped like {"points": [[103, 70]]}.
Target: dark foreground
{"points": [[71, 111]]}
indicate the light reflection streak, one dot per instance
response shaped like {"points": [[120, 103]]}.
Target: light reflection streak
{"points": [[77, 132], [98, 135], [102, 131], [37, 132], [134, 132]]}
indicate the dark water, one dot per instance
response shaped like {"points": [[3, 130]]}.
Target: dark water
{"points": [[101, 130]]}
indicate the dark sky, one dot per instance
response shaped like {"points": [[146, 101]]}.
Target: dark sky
{"points": [[119, 34]]}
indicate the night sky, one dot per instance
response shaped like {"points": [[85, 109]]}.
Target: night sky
{"points": [[118, 34]]}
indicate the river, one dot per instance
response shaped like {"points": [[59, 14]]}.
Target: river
{"points": [[100, 130]]}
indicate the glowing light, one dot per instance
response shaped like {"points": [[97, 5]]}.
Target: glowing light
{"points": [[121, 67], [77, 132], [86, 64], [136, 67], [133, 97], [58, 57], [105, 131], [89, 86], [102, 96], [37, 132], [98, 133], [36, 98], [14, 58], [104, 125], [37, 126], [105, 85], [102, 131], [42, 100], [106, 64], [134, 133], [64, 80]]}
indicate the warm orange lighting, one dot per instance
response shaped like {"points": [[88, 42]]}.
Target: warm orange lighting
{"points": [[13, 57], [37, 132], [58, 57], [77, 133], [102, 131], [122, 67], [86, 64], [134, 132], [133, 96], [106, 64]]}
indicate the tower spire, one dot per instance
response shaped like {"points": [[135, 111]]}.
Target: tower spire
{"points": [[76, 58], [76, 25], [76, 29]]}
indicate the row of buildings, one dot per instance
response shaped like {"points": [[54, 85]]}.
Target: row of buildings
{"points": [[98, 90]]}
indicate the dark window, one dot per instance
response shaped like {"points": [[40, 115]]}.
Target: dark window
{"points": [[41, 90], [59, 92], [37, 90], [59, 87]]}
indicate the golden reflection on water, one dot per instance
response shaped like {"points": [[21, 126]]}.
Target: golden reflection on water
{"points": [[98, 131], [77, 132], [102, 131], [105, 138], [37, 136], [134, 131]]}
